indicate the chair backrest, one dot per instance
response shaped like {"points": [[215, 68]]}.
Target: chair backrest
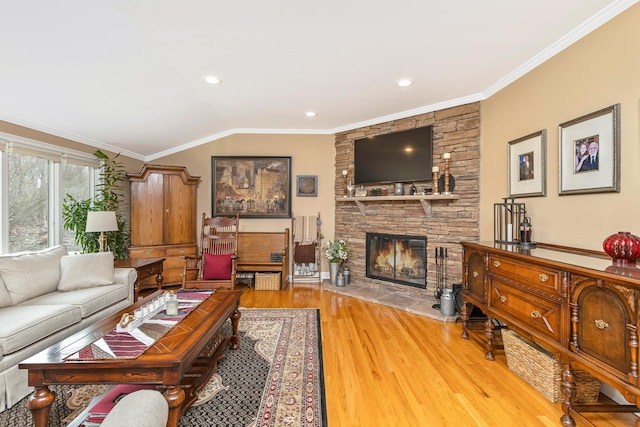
{"points": [[219, 235]]}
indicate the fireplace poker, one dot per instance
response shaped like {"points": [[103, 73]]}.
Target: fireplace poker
{"points": [[441, 273]]}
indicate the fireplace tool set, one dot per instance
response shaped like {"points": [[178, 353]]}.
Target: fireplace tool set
{"points": [[444, 295]]}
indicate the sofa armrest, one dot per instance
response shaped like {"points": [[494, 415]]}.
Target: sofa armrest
{"points": [[127, 276]]}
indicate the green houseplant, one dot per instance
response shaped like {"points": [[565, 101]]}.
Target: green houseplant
{"points": [[336, 252], [108, 198]]}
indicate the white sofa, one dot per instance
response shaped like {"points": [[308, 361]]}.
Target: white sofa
{"points": [[48, 295]]}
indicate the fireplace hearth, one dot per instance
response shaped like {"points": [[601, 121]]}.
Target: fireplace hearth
{"points": [[400, 259]]}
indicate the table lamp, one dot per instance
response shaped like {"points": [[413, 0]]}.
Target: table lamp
{"points": [[101, 221]]}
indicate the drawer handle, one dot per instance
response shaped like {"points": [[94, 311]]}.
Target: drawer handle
{"points": [[601, 324], [503, 298], [536, 314], [475, 274], [543, 277], [496, 264]]}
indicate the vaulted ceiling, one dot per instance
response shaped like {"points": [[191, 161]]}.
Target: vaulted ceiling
{"points": [[128, 75]]}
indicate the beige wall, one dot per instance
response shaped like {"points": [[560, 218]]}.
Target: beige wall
{"points": [[310, 155], [598, 71]]}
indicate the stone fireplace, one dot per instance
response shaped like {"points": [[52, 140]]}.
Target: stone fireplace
{"points": [[397, 258], [445, 224]]}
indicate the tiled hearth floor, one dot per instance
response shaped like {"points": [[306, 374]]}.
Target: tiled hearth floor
{"points": [[395, 299]]}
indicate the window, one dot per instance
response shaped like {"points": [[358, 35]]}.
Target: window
{"points": [[35, 178]]}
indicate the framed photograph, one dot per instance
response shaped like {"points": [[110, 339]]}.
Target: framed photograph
{"points": [[528, 165], [307, 185], [590, 153], [254, 187]]}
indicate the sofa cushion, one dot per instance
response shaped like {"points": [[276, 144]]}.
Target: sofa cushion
{"points": [[216, 267], [23, 325], [86, 271], [30, 274], [89, 300], [5, 298]]}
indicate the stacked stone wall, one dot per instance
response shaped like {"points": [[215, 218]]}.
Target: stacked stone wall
{"points": [[455, 130]]}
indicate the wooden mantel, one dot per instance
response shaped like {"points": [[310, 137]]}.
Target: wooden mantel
{"points": [[425, 200]]}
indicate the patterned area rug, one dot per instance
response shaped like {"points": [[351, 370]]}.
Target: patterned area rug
{"points": [[274, 379]]}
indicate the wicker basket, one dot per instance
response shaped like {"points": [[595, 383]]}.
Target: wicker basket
{"points": [[542, 371], [267, 281]]}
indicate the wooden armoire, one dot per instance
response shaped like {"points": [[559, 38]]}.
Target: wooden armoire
{"points": [[163, 218]]}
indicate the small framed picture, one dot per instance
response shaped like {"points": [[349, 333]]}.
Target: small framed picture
{"points": [[590, 153], [307, 185], [528, 165]]}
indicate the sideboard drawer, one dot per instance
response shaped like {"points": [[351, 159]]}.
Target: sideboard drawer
{"points": [[526, 308], [532, 275], [147, 252], [178, 251]]}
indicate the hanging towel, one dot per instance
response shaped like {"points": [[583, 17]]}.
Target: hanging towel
{"points": [[305, 229]]}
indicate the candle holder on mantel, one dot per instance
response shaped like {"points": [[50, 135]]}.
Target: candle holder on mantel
{"points": [[447, 159], [435, 171], [344, 176]]}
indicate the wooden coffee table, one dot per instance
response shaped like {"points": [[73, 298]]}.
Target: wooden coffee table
{"points": [[181, 361]]}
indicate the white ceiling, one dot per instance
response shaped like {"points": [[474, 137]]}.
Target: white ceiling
{"points": [[126, 75]]}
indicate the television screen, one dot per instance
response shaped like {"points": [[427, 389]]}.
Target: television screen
{"points": [[394, 157]]}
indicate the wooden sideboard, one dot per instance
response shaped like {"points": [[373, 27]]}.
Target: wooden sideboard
{"points": [[573, 302]]}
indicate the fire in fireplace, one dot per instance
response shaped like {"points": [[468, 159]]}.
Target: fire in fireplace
{"points": [[397, 258]]}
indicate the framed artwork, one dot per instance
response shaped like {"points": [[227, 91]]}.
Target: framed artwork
{"points": [[254, 187], [307, 185], [590, 153], [528, 165]]}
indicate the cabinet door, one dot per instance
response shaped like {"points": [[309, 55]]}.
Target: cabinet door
{"points": [[147, 211], [179, 212], [475, 276], [603, 313]]}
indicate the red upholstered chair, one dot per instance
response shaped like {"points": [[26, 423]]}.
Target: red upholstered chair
{"points": [[215, 267]]}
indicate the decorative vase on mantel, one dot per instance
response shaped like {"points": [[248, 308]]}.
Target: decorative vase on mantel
{"points": [[334, 268]]}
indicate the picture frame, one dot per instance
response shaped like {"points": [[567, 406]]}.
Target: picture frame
{"points": [[589, 157], [528, 165], [251, 186], [307, 185]]}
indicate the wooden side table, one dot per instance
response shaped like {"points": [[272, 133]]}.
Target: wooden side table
{"points": [[146, 267]]}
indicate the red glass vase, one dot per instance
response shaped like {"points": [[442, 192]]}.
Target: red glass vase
{"points": [[623, 247]]}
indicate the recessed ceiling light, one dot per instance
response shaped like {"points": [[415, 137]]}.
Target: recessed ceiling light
{"points": [[310, 114], [212, 80], [404, 82]]}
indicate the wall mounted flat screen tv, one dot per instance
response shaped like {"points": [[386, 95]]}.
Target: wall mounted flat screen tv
{"points": [[394, 157]]}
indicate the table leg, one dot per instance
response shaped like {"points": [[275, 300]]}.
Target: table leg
{"points": [[569, 393], [159, 280], [40, 405], [174, 396], [489, 331], [136, 290], [235, 319]]}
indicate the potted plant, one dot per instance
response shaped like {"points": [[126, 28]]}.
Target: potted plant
{"points": [[336, 252], [108, 198]]}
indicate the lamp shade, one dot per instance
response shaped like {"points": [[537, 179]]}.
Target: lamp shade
{"points": [[101, 221]]}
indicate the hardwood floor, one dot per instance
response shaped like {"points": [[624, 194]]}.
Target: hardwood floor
{"points": [[386, 367]]}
